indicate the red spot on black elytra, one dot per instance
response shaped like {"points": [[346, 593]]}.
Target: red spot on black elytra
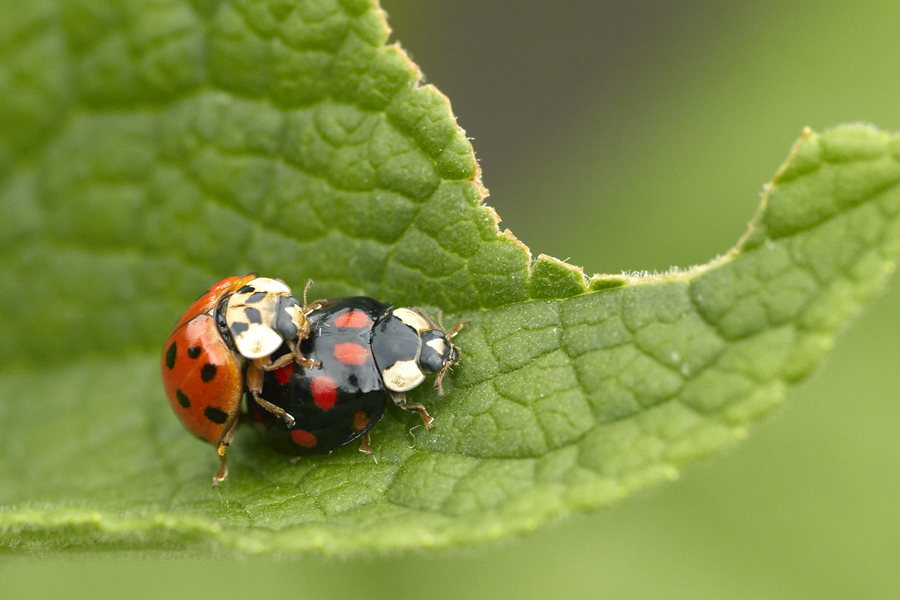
{"points": [[360, 421], [208, 372], [170, 356], [350, 353], [304, 438], [324, 392], [283, 374], [354, 319]]}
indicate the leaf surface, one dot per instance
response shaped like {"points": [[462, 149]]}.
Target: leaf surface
{"points": [[148, 149]]}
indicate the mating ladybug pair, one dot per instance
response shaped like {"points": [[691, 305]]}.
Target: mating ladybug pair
{"points": [[315, 375]]}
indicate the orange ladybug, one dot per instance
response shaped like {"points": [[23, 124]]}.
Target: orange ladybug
{"points": [[223, 344]]}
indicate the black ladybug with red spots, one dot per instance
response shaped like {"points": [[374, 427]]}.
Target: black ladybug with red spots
{"points": [[362, 350]]}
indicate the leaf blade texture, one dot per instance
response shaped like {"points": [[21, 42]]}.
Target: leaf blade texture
{"points": [[148, 149]]}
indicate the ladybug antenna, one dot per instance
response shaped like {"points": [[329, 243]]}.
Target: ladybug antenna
{"points": [[439, 380], [425, 316], [306, 289], [316, 305], [454, 330]]}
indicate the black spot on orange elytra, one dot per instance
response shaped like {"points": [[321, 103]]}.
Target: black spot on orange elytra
{"points": [[170, 356], [194, 351], [215, 415], [183, 400], [208, 372]]}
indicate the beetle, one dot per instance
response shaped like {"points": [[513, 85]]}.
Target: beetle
{"points": [[363, 351], [223, 344]]}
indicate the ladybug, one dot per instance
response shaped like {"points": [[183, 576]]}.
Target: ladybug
{"points": [[223, 344], [361, 349]]}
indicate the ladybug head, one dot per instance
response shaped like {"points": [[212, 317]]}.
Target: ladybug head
{"points": [[438, 353], [290, 320]]}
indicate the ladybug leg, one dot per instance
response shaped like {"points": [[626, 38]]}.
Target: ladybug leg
{"points": [[255, 384], [456, 329], [284, 359], [296, 356], [308, 309], [222, 473], [277, 363], [440, 324], [306, 363], [364, 444], [315, 305], [439, 380], [400, 400], [275, 410]]}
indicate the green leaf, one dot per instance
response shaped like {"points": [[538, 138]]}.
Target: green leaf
{"points": [[148, 149]]}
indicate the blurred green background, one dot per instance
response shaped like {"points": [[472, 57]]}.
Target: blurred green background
{"points": [[637, 136]]}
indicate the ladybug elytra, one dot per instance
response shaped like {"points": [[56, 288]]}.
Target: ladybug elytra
{"points": [[360, 349]]}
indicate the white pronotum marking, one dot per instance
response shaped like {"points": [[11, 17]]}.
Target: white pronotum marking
{"points": [[403, 376]]}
